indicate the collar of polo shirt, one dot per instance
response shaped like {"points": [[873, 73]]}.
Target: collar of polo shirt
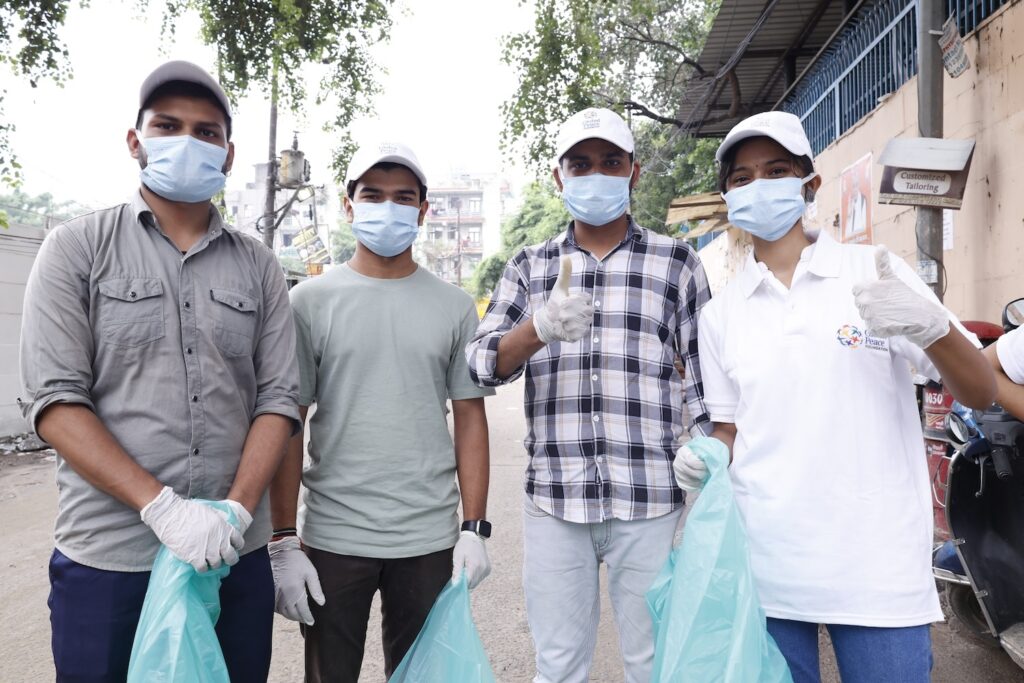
{"points": [[826, 259]]}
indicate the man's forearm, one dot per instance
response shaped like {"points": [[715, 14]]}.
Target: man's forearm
{"points": [[517, 347], [964, 370], [261, 456], [472, 455], [284, 488], [85, 443]]}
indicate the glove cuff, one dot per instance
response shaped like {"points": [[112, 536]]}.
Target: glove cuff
{"points": [[156, 508]]}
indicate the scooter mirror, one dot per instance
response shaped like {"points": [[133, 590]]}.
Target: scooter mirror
{"points": [[957, 429], [1013, 315]]}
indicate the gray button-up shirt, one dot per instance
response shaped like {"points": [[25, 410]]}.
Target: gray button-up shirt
{"points": [[176, 354]]}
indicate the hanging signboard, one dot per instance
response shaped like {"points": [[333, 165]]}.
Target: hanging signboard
{"points": [[855, 202], [954, 58], [925, 172]]}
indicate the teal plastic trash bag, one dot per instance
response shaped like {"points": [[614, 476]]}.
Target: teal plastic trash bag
{"points": [[708, 623], [448, 647], [175, 641]]}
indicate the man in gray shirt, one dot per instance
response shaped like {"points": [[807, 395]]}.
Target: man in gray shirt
{"points": [[380, 345], [157, 357]]}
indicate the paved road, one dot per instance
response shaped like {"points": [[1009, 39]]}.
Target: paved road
{"points": [[27, 496]]}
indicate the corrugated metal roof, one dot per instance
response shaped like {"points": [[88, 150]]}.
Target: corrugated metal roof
{"points": [[798, 28]]}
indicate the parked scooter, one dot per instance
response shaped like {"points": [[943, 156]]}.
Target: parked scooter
{"points": [[982, 566]]}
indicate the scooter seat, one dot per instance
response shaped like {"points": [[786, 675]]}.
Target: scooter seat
{"points": [[947, 559]]}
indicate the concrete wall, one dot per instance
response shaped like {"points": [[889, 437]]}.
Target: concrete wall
{"points": [[18, 247], [984, 267]]}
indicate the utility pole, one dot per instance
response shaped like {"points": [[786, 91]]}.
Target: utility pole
{"points": [[269, 226], [929, 123]]}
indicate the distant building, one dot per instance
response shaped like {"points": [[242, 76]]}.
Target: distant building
{"points": [[463, 225]]}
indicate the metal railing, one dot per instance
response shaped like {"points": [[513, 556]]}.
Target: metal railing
{"points": [[970, 13], [874, 56]]}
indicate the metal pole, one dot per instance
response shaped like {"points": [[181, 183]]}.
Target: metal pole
{"points": [[929, 120], [269, 227]]}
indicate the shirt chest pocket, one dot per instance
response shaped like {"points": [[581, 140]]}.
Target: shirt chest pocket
{"points": [[131, 310], [234, 323]]}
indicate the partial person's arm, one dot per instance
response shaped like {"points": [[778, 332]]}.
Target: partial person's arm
{"points": [[472, 455], [284, 488], [965, 371], [1006, 357], [276, 416], [695, 283]]}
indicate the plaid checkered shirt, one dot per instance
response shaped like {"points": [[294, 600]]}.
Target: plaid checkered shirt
{"points": [[605, 413]]}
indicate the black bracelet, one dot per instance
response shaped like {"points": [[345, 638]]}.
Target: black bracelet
{"points": [[287, 531]]}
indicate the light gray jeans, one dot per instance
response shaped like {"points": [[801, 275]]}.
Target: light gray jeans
{"points": [[563, 603]]}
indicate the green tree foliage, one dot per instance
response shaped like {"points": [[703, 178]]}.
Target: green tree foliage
{"points": [[39, 211], [343, 243], [31, 47], [540, 217], [269, 43]]}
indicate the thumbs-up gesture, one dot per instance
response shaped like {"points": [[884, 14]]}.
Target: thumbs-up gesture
{"points": [[565, 317], [890, 308]]}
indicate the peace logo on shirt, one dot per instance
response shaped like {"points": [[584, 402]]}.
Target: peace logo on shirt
{"points": [[850, 336]]}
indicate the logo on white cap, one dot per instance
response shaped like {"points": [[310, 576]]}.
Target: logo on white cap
{"points": [[388, 148]]}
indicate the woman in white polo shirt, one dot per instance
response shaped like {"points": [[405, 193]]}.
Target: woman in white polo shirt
{"points": [[806, 360]]}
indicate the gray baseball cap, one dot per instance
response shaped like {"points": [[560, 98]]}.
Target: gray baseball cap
{"points": [[180, 70]]}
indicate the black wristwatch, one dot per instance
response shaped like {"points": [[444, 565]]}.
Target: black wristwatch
{"points": [[480, 527]]}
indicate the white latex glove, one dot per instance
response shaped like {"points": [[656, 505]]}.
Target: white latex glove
{"points": [[689, 466], [565, 317], [471, 555], [690, 470], [194, 532], [890, 308], [294, 575], [241, 514]]}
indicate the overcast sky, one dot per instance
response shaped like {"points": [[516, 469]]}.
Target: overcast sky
{"points": [[441, 94]]}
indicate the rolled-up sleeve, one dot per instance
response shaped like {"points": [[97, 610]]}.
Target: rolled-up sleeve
{"points": [[277, 373], [57, 345], [508, 308]]}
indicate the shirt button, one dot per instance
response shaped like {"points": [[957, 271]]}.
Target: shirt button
{"points": [[188, 305], [241, 304], [132, 295], [597, 304], [189, 350], [593, 377], [597, 418], [194, 398], [195, 451], [596, 340]]}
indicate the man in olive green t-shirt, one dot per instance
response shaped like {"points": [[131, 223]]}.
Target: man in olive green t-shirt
{"points": [[380, 346]]}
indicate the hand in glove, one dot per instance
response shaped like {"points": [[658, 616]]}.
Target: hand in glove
{"points": [[890, 308], [471, 555], [565, 317], [689, 466], [294, 575], [194, 532]]}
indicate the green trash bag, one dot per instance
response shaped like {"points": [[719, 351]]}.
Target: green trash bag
{"points": [[175, 641], [708, 623], [448, 648]]}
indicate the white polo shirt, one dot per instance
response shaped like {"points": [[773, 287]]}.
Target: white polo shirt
{"points": [[1010, 350], [829, 464]]}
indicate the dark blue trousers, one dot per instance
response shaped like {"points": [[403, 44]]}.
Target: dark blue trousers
{"points": [[94, 613]]}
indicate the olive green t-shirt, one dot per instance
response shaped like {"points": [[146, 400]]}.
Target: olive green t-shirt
{"points": [[380, 359]]}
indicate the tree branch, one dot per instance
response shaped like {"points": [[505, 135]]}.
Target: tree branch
{"points": [[645, 36], [642, 110]]}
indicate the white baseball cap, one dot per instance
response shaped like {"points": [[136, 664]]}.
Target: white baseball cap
{"points": [[180, 70], [368, 156], [782, 127], [603, 124]]}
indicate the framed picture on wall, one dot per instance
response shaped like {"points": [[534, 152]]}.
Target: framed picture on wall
{"points": [[855, 202]]}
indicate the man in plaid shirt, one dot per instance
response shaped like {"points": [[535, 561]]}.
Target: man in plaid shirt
{"points": [[595, 317]]}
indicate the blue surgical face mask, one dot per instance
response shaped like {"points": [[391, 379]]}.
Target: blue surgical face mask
{"points": [[767, 208], [596, 199], [182, 168], [385, 228]]}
